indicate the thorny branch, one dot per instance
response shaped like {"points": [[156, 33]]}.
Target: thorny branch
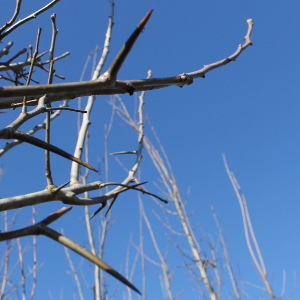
{"points": [[106, 84], [42, 228], [11, 132], [8, 27]]}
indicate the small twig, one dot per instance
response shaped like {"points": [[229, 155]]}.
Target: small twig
{"points": [[28, 18], [36, 128], [125, 188], [74, 274], [13, 18], [6, 258], [250, 237], [66, 108], [21, 262], [51, 51], [5, 50], [34, 269], [8, 79], [50, 79], [123, 152], [16, 56], [226, 256], [56, 58], [31, 66]]}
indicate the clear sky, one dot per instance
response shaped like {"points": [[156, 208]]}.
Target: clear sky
{"points": [[248, 110]]}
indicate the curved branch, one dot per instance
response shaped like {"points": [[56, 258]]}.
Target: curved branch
{"points": [[28, 18], [41, 228], [104, 86], [13, 18]]}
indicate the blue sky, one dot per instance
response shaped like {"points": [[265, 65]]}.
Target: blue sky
{"points": [[248, 109]]}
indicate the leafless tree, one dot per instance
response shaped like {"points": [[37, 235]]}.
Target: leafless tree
{"points": [[21, 93]]}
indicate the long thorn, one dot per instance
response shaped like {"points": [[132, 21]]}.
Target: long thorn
{"points": [[41, 144], [121, 56]]}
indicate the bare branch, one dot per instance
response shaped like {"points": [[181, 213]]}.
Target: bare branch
{"points": [[105, 86], [36, 128], [21, 262], [34, 269], [123, 152], [227, 257], [13, 18], [249, 232], [15, 56], [41, 228], [74, 274], [28, 18], [39, 143], [6, 49], [48, 118], [32, 65], [27, 62]]}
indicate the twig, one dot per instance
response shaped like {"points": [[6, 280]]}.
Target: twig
{"points": [[34, 269], [249, 232], [6, 49], [7, 256], [226, 255], [141, 247], [32, 65], [21, 263], [42, 228], [123, 152], [36, 128], [66, 108], [74, 274], [28, 18], [10, 132], [15, 56], [163, 265], [47, 122], [13, 18]]}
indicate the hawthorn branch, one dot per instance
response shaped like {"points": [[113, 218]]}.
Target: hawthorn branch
{"points": [[42, 228], [10, 132], [22, 21], [105, 85], [131, 173]]}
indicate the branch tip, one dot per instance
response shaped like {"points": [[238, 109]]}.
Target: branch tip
{"points": [[121, 56], [41, 144]]}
